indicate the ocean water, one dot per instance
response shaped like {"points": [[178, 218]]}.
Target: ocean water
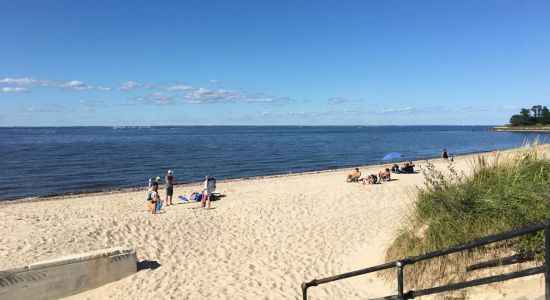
{"points": [[52, 160]]}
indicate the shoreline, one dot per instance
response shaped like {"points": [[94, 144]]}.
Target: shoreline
{"points": [[261, 241], [81, 194], [520, 129]]}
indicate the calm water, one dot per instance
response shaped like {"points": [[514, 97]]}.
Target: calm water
{"points": [[44, 161]]}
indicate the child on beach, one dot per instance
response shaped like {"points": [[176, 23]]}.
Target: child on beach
{"points": [[153, 200]]}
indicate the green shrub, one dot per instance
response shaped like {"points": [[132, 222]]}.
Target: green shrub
{"points": [[452, 208]]}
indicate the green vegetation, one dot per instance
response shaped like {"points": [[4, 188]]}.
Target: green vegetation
{"points": [[540, 116], [453, 208]]}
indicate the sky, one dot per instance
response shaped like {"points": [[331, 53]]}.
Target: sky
{"points": [[143, 63]]}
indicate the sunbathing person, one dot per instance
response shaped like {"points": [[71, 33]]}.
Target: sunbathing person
{"points": [[385, 175], [410, 168], [395, 169], [371, 179], [354, 175], [407, 168]]}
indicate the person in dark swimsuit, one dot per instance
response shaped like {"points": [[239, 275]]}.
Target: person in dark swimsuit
{"points": [[445, 155]]}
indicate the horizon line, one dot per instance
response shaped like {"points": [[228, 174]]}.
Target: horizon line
{"points": [[221, 125]]}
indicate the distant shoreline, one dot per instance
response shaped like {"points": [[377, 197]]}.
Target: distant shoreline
{"points": [[543, 129]]}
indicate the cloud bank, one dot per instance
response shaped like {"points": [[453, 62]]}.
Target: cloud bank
{"points": [[11, 89]]}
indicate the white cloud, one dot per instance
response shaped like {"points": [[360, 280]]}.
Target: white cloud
{"points": [[157, 99], [178, 88], [28, 81], [130, 85], [202, 95], [103, 88], [75, 85], [351, 112], [396, 110], [10, 89], [214, 81], [337, 100], [48, 109], [283, 114], [303, 114], [467, 109], [91, 105], [428, 110]]}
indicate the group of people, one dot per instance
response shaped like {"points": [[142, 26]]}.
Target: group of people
{"points": [[153, 198], [155, 202], [445, 155], [355, 176], [407, 167]]}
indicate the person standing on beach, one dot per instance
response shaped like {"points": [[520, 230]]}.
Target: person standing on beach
{"points": [[209, 188], [156, 182], [445, 155], [169, 187]]}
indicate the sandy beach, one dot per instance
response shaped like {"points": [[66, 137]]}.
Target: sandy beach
{"points": [[261, 241]]}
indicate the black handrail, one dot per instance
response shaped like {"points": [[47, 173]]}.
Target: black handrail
{"points": [[400, 264]]}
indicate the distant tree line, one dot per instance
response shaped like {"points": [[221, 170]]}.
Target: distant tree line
{"points": [[537, 115]]}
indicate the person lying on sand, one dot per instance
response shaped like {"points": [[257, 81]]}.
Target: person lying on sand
{"points": [[407, 168], [385, 175], [371, 179], [395, 169], [354, 175]]}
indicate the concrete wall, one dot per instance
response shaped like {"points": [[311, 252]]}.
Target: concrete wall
{"points": [[67, 275]]}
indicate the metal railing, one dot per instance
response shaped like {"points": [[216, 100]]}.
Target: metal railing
{"points": [[400, 265]]}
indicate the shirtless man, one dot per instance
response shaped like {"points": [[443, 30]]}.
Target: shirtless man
{"points": [[354, 175], [385, 175]]}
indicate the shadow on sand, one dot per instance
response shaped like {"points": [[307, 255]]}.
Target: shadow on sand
{"points": [[147, 265]]}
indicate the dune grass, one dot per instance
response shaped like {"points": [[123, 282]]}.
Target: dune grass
{"points": [[503, 193]]}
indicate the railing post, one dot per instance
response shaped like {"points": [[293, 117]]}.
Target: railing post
{"points": [[547, 260], [399, 265], [304, 291]]}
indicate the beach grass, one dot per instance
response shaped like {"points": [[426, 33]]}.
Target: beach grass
{"points": [[501, 194]]}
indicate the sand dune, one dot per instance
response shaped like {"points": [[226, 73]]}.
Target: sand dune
{"points": [[266, 237]]}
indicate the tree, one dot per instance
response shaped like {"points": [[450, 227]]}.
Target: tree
{"points": [[515, 120], [525, 117], [541, 115], [537, 110], [545, 116]]}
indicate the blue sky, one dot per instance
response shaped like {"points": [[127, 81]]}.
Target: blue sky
{"points": [[271, 62]]}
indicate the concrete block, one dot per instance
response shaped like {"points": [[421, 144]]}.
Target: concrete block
{"points": [[67, 275]]}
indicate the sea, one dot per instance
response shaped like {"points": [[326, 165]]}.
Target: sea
{"points": [[43, 161]]}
